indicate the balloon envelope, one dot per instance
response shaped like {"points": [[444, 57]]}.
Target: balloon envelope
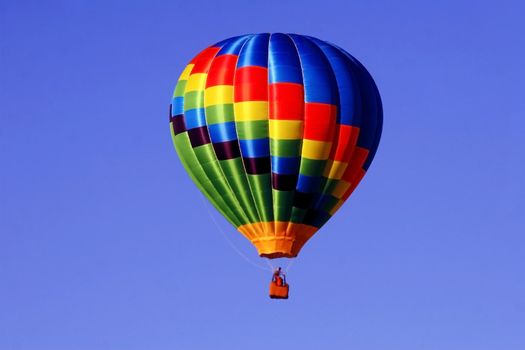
{"points": [[276, 130]]}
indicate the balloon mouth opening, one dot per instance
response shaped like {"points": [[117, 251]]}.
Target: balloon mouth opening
{"points": [[277, 255], [277, 247], [272, 243]]}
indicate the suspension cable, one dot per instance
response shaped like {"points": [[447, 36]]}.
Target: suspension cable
{"points": [[229, 241]]}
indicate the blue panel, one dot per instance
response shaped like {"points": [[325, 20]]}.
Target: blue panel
{"points": [[255, 148], [283, 60], [222, 132], [350, 109], [285, 165], [226, 41], [372, 122], [309, 184], [232, 46], [370, 109], [378, 130], [194, 118], [318, 78], [177, 105], [254, 52]]}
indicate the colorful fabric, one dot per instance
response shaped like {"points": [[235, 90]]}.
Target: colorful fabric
{"points": [[276, 130]]}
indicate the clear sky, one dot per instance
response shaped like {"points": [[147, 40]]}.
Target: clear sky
{"points": [[105, 243]]}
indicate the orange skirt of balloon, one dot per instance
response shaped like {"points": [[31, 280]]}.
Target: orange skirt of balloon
{"points": [[277, 239]]}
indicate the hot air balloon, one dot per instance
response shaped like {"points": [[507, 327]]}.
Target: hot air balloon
{"points": [[276, 130]]}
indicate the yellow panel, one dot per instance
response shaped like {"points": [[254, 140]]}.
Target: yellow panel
{"points": [[319, 150], [327, 167], [340, 189], [336, 208], [286, 129], [337, 170], [220, 94], [186, 72], [196, 82], [251, 110]]}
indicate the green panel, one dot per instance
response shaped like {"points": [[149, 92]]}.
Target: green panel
{"points": [[283, 198], [179, 89], [282, 204], [252, 130], [297, 215], [261, 189], [206, 156], [285, 148], [282, 213], [219, 113], [328, 203], [312, 167], [234, 172], [330, 185], [191, 164], [193, 99], [214, 173], [205, 153]]}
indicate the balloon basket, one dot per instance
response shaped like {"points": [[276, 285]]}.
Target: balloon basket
{"points": [[278, 292]]}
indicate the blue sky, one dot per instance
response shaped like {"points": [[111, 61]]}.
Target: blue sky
{"points": [[106, 244]]}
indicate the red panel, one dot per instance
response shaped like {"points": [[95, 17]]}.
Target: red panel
{"points": [[203, 60], [357, 179], [319, 121], [346, 142], [286, 101], [222, 70], [356, 164], [251, 84]]}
